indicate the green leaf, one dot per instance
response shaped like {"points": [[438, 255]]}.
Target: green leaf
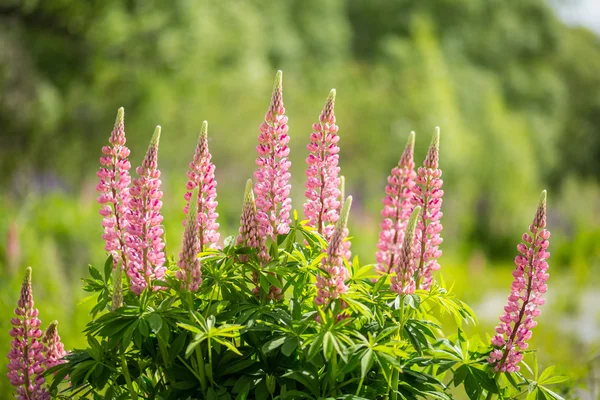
{"points": [[289, 346], [108, 267], [95, 274], [156, 322], [366, 362], [273, 344]]}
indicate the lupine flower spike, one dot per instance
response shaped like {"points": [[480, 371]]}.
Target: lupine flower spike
{"points": [[248, 233], [272, 177], [402, 280], [189, 266], [322, 186], [397, 208], [202, 175], [145, 242], [427, 193], [331, 281], [526, 295], [114, 192], [26, 356], [53, 347]]}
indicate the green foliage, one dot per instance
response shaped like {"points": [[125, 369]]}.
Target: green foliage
{"points": [[223, 342]]}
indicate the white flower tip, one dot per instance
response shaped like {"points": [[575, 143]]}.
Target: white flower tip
{"points": [[543, 198], [278, 80], [331, 96], [156, 136], [435, 140], [120, 116], [204, 128]]}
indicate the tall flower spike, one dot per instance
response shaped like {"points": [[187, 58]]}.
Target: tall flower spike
{"points": [[114, 192], [145, 243], [427, 193], [402, 280], [331, 280], [202, 175], [272, 177], [396, 209], [322, 185], [189, 266], [248, 233], [53, 347], [526, 295], [26, 358]]}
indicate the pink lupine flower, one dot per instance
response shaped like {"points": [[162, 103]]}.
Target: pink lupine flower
{"points": [[145, 243], [331, 280], [114, 192], [248, 232], [189, 266], [202, 175], [322, 186], [53, 347], [26, 356], [526, 295], [249, 236], [427, 193], [403, 271], [396, 209], [272, 177]]}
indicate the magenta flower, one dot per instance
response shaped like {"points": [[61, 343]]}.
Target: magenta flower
{"points": [[114, 192], [331, 280], [53, 347], [202, 175], [322, 186], [272, 177], [403, 271], [526, 295], [427, 193], [189, 266], [397, 208], [145, 244], [26, 356]]}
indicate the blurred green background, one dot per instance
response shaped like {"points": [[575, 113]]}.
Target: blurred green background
{"points": [[515, 91]]}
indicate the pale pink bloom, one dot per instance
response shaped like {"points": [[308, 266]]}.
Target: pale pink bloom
{"points": [[26, 357], [53, 347], [202, 175], [403, 271], [331, 279], [145, 232], [397, 208], [427, 193], [249, 236], [248, 232], [189, 271], [526, 295], [114, 192], [322, 193], [272, 187]]}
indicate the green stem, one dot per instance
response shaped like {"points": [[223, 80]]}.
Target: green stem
{"points": [[490, 394], [210, 364], [127, 377], [332, 380], [396, 373], [394, 388], [201, 371]]}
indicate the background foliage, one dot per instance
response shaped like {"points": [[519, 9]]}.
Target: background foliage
{"points": [[516, 93]]}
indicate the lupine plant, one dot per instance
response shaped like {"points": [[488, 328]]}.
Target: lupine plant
{"points": [[278, 310]]}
